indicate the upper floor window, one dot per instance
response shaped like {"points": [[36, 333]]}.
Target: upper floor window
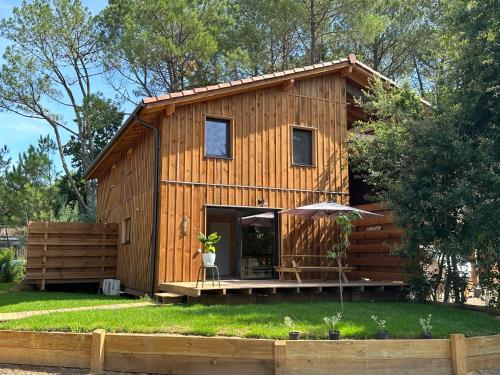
{"points": [[303, 140], [217, 137]]}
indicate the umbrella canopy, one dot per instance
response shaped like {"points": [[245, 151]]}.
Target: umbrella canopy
{"points": [[265, 219], [325, 210]]}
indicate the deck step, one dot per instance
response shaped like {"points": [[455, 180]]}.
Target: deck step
{"points": [[165, 297]]}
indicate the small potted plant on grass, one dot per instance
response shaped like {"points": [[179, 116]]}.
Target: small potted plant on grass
{"points": [[382, 334], [332, 322], [425, 323], [208, 247], [290, 324]]}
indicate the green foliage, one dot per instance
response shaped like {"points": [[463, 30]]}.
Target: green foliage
{"points": [[11, 270], [425, 323], [103, 119], [344, 223], [49, 69], [381, 323], [419, 286], [6, 256], [288, 322], [333, 321], [439, 167], [163, 45], [31, 300], [265, 320], [208, 242], [28, 189]]}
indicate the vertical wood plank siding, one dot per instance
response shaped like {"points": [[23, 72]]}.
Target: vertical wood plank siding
{"points": [[260, 168], [125, 190]]}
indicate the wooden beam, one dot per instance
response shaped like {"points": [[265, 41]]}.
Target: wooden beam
{"points": [[458, 354], [280, 357], [346, 71], [170, 109], [97, 351], [287, 85]]}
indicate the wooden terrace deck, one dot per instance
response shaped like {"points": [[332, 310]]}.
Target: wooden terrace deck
{"points": [[273, 287]]}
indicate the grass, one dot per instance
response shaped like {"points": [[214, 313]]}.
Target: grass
{"points": [[266, 320], [11, 301]]}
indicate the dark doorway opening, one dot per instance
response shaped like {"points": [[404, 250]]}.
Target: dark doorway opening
{"points": [[249, 246]]}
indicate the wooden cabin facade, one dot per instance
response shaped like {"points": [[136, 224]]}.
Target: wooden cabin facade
{"points": [[226, 153]]}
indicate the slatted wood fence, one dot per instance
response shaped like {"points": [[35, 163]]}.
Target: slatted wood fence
{"points": [[371, 244], [168, 354], [70, 252]]}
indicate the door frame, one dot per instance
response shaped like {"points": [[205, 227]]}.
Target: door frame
{"points": [[238, 245]]}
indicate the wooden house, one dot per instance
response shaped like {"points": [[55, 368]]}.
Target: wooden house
{"points": [[211, 158]]}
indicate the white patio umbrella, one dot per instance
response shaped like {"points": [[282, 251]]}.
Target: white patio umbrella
{"points": [[265, 219], [328, 210]]}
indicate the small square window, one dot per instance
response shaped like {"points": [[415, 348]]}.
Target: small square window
{"points": [[302, 146], [126, 230], [217, 138]]}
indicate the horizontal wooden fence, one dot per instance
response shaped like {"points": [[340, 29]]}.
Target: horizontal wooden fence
{"points": [[371, 243], [167, 354], [70, 252]]}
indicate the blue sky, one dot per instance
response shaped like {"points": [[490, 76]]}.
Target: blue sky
{"points": [[18, 132]]}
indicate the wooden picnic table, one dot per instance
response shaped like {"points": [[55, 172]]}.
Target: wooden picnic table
{"points": [[292, 263]]}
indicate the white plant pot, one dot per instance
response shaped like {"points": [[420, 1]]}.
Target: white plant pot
{"points": [[208, 259]]}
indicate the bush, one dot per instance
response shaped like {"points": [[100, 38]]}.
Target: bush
{"points": [[11, 270], [419, 287]]}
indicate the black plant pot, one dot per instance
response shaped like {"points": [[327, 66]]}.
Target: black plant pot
{"points": [[334, 335], [426, 335], [294, 335], [382, 335]]}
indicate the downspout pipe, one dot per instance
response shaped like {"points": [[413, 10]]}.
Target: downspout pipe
{"points": [[156, 174]]}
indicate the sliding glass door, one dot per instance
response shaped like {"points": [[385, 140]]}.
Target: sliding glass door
{"points": [[250, 240], [258, 242]]}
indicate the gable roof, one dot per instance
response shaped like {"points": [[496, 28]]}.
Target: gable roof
{"points": [[123, 139]]}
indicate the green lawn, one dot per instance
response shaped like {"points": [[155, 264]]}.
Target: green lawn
{"points": [[266, 320], [38, 300]]}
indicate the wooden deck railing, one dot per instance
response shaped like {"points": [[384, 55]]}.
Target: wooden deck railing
{"points": [[167, 354], [70, 252]]}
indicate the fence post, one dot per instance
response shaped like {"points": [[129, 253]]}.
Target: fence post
{"points": [[97, 351], [280, 357], [458, 355]]}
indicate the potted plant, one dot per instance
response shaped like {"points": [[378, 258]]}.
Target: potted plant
{"points": [[425, 323], [332, 322], [382, 334], [290, 324], [208, 247]]}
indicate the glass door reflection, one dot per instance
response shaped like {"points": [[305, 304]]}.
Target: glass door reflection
{"points": [[258, 243]]}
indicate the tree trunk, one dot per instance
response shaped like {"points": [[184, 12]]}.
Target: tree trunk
{"points": [[312, 25], [71, 181]]}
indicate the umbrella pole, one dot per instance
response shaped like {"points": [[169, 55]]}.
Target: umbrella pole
{"points": [[341, 291]]}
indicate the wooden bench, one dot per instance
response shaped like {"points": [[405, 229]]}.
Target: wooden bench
{"points": [[292, 264]]}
